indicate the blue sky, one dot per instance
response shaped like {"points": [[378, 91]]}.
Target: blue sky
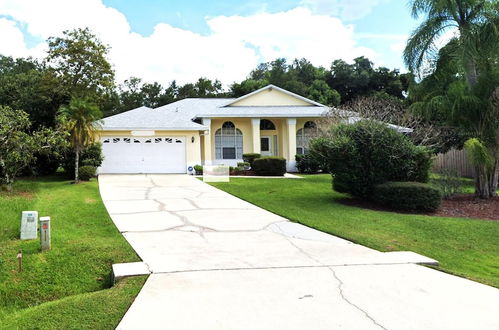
{"points": [[383, 18], [182, 40]]}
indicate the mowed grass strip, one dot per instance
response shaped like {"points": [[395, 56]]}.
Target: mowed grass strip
{"points": [[85, 243], [94, 310], [465, 247]]}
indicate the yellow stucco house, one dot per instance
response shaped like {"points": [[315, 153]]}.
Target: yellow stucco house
{"points": [[205, 131]]}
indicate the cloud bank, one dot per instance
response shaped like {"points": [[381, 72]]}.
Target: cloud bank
{"points": [[234, 46]]}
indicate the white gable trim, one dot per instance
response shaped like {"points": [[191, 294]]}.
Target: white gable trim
{"points": [[276, 88]]}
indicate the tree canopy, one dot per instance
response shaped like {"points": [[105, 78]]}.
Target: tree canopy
{"points": [[460, 80]]}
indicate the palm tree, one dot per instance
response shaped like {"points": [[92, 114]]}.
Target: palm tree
{"points": [[81, 119], [465, 75], [469, 18]]}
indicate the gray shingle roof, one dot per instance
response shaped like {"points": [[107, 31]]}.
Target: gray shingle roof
{"points": [[179, 115], [163, 118]]}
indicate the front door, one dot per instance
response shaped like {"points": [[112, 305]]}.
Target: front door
{"points": [[266, 147]]}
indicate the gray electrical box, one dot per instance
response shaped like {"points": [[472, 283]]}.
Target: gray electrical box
{"points": [[29, 225]]}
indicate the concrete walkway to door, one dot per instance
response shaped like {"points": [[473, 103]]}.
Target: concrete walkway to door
{"points": [[218, 262]]}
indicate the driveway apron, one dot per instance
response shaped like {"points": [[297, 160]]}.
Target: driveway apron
{"points": [[218, 262]]}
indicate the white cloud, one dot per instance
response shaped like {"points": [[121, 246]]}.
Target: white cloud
{"points": [[229, 52], [12, 41], [345, 9]]}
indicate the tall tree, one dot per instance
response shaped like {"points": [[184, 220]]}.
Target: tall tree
{"points": [[464, 75], [16, 146], [80, 59], [29, 85], [80, 118], [467, 16]]}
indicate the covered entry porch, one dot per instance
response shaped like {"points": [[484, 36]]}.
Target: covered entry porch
{"points": [[229, 138]]}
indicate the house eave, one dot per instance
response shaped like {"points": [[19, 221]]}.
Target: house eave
{"points": [[201, 128], [290, 115]]}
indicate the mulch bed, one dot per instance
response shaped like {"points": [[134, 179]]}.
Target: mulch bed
{"points": [[468, 206], [460, 206]]}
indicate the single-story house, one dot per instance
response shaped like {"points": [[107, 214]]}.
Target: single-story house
{"points": [[205, 131]]}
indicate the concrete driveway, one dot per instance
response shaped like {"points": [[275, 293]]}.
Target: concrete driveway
{"points": [[218, 262]]}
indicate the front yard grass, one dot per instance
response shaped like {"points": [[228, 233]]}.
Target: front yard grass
{"points": [[66, 287], [465, 247]]}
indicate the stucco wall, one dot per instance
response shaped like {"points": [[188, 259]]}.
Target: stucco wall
{"points": [[270, 97]]}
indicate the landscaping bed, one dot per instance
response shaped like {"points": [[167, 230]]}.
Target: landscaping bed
{"points": [[461, 206], [68, 286], [467, 206]]}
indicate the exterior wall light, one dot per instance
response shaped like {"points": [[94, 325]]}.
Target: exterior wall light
{"points": [[193, 139]]}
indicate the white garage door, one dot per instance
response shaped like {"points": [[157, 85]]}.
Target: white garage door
{"points": [[143, 155]]}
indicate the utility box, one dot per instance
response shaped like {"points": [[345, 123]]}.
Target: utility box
{"points": [[29, 225], [45, 233]]}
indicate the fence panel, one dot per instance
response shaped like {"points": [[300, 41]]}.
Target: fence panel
{"points": [[456, 161]]}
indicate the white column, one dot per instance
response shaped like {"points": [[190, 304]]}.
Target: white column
{"points": [[207, 142], [255, 127], [291, 128]]}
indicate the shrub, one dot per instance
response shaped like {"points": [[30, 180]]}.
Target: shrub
{"points": [[272, 166], [368, 153], [250, 158], [198, 169], [449, 183], [410, 196], [86, 172], [91, 156], [244, 166], [307, 164]]}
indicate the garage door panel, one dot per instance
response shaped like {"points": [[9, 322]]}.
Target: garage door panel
{"points": [[143, 155]]}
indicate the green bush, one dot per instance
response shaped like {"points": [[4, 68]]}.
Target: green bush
{"points": [[409, 196], [250, 158], [244, 165], [271, 166], [307, 164], [449, 182], [91, 156], [368, 153], [198, 169], [86, 172]]}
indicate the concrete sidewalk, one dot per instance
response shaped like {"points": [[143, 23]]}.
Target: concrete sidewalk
{"points": [[218, 262]]}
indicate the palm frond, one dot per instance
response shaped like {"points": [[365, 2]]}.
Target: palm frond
{"points": [[421, 44]]}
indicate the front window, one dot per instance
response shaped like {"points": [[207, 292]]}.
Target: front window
{"points": [[228, 142], [304, 135]]}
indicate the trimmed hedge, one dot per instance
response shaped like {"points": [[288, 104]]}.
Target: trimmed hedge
{"points": [[250, 158], [409, 196], [198, 169], [269, 166], [86, 172], [244, 165], [307, 164]]}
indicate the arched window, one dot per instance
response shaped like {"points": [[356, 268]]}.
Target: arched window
{"points": [[228, 142], [304, 135], [266, 125]]}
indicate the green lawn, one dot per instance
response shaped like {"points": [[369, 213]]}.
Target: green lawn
{"points": [[465, 247], [71, 279]]}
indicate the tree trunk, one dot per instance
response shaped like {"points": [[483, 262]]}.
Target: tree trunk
{"points": [[486, 181], [77, 161], [494, 180], [8, 182], [471, 74]]}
